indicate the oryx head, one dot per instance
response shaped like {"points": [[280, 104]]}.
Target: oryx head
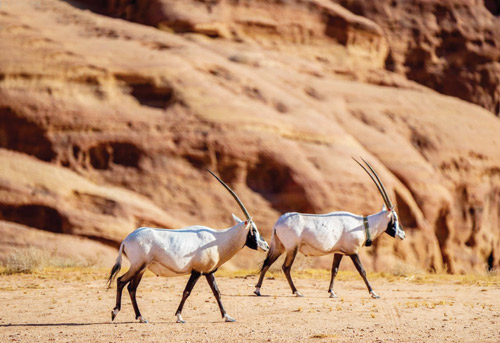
{"points": [[254, 239], [394, 229]]}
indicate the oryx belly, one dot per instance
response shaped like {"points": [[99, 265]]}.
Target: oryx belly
{"points": [[161, 270], [309, 250]]}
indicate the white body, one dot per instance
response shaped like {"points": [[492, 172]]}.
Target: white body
{"points": [[338, 233], [178, 252], [196, 250], [322, 234]]}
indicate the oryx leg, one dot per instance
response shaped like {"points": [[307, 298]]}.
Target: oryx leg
{"points": [[271, 257], [335, 269], [187, 291], [361, 271], [132, 288], [215, 290], [121, 282], [287, 267]]}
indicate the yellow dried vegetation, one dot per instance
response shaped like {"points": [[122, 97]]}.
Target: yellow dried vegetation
{"points": [[45, 265]]}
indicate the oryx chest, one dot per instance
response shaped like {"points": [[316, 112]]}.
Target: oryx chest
{"points": [[207, 260]]}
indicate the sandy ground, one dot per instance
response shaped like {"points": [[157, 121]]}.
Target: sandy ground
{"points": [[75, 307]]}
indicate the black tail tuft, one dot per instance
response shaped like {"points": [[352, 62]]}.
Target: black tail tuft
{"points": [[112, 275]]}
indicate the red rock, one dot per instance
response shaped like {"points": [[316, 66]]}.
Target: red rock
{"points": [[106, 125], [451, 46]]}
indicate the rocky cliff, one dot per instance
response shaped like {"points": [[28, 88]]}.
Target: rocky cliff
{"points": [[107, 124], [451, 46]]}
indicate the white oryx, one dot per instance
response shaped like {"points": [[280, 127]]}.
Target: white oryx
{"points": [[195, 250], [338, 233]]}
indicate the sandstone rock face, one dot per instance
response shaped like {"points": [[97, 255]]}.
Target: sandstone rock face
{"points": [[273, 24], [451, 46], [58, 249], [107, 125]]}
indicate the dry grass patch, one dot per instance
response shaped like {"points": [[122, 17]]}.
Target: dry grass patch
{"points": [[24, 261], [43, 265], [35, 261]]}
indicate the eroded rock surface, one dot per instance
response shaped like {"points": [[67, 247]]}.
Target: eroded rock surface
{"points": [[107, 125], [451, 46]]}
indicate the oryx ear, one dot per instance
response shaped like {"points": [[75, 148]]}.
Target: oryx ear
{"points": [[236, 219], [384, 208]]}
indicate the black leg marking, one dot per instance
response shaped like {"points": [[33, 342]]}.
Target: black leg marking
{"points": [[120, 283], [287, 267], [132, 288], [270, 259], [335, 269], [361, 271], [187, 291], [215, 290]]}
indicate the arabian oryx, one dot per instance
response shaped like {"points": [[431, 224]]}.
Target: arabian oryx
{"points": [[195, 250], [338, 233]]}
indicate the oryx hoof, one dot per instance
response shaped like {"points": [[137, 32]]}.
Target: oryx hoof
{"points": [[114, 313], [298, 294], [179, 319], [333, 295], [228, 318], [142, 320], [374, 295], [257, 292]]}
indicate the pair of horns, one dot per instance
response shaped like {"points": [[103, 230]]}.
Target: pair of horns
{"points": [[377, 182], [375, 178], [233, 194]]}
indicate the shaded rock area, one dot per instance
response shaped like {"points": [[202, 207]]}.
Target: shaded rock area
{"points": [[107, 125], [451, 46]]}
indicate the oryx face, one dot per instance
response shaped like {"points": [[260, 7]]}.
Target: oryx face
{"points": [[254, 239], [394, 229]]}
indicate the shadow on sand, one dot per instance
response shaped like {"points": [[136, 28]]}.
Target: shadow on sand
{"points": [[66, 324]]}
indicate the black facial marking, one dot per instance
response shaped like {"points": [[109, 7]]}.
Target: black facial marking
{"points": [[391, 228], [251, 239]]}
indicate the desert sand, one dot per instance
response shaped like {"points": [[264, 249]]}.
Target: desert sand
{"points": [[75, 306], [109, 117]]}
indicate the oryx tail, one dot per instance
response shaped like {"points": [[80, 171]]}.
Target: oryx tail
{"points": [[275, 250], [116, 268]]}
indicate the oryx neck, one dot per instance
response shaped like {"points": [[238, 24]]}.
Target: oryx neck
{"points": [[231, 242], [377, 223]]}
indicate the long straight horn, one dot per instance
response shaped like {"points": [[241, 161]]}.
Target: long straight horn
{"points": [[381, 184], [233, 194], [375, 182]]}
